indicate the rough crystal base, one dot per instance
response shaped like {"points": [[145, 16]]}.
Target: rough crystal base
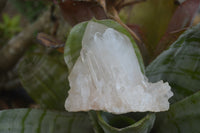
{"points": [[107, 76]]}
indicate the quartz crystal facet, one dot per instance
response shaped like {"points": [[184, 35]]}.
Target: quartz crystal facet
{"points": [[107, 76]]}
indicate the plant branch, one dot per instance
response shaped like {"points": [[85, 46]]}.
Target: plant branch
{"points": [[113, 14], [129, 3], [103, 4], [12, 52]]}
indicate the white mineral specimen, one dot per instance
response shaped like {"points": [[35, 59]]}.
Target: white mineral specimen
{"points": [[107, 76]]}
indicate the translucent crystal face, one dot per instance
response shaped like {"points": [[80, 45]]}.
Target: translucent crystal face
{"points": [[107, 76]]}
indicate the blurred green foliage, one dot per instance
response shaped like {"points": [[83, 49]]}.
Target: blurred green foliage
{"points": [[9, 26]]}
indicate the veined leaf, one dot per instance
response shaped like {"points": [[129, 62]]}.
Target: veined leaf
{"points": [[179, 65], [183, 117], [45, 80], [43, 121]]}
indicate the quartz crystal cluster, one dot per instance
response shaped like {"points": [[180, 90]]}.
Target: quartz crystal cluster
{"points": [[107, 76]]}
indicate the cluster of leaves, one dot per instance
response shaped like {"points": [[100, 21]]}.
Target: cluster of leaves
{"points": [[45, 77], [9, 26]]}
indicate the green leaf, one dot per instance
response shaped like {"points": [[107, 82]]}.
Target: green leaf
{"points": [[15, 21], [2, 26], [45, 79], [73, 45], [94, 121], [183, 117], [74, 41], [43, 121], [179, 65], [124, 124], [6, 19]]}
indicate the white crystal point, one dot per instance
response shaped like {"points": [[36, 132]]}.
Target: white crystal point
{"points": [[107, 76]]}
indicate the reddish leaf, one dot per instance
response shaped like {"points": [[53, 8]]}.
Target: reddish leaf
{"points": [[153, 17], [161, 22], [183, 15], [136, 28], [140, 33], [77, 11], [181, 19]]}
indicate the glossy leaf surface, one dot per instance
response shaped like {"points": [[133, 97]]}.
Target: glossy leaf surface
{"points": [[179, 65], [45, 80], [183, 117], [43, 121]]}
